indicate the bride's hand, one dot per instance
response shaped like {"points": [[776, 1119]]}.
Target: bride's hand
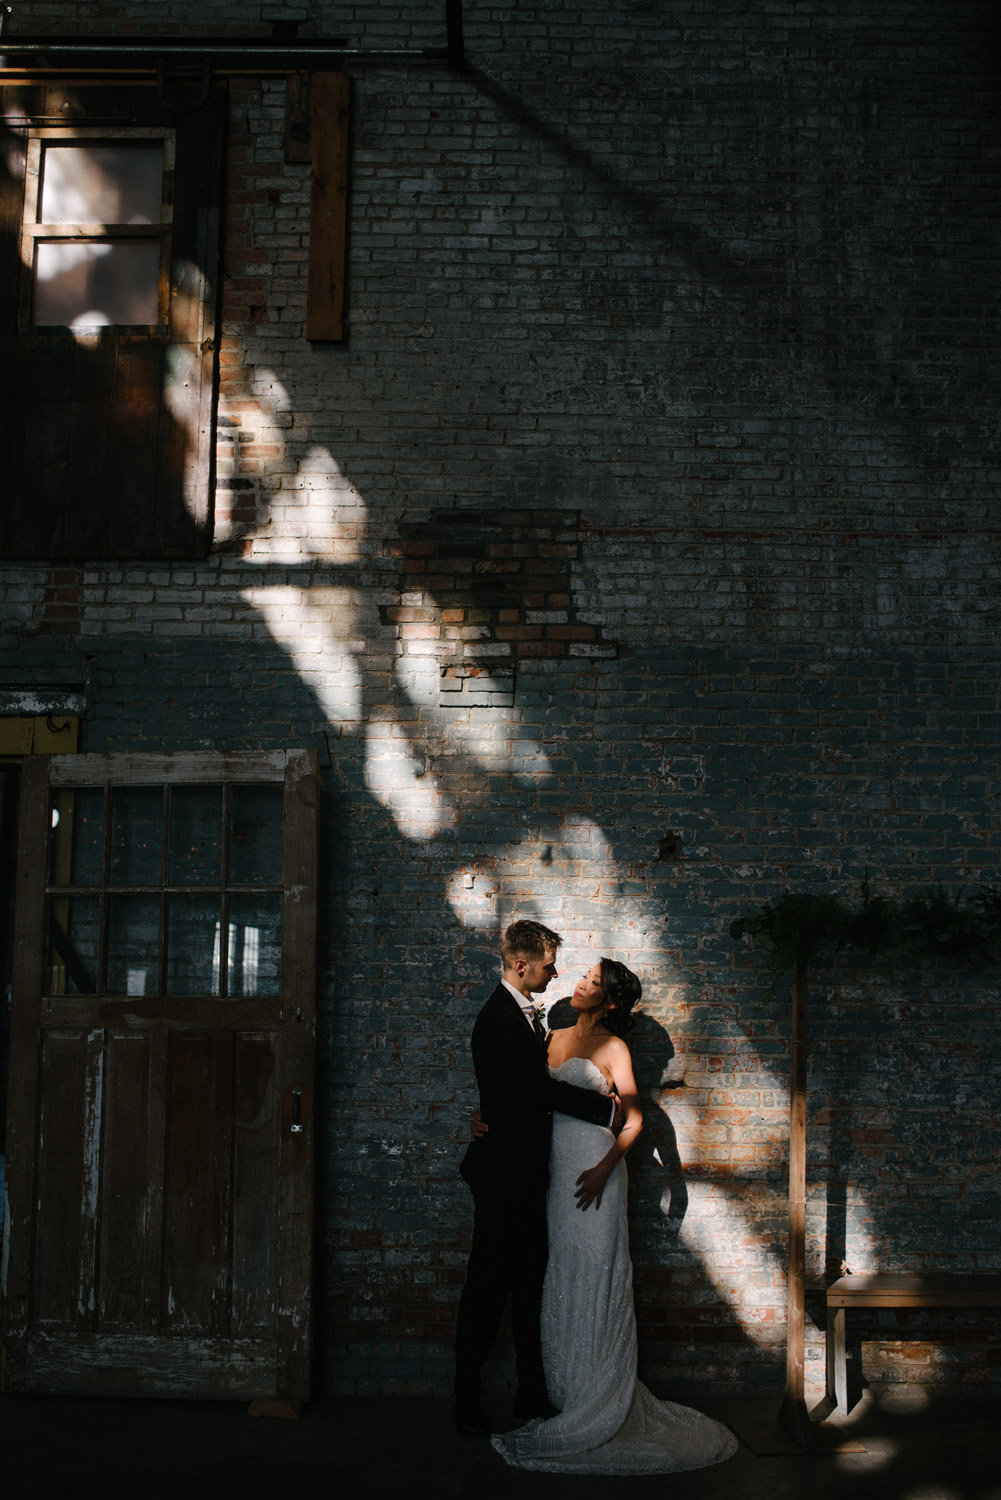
{"points": [[477, 1126], [591, 1184]]}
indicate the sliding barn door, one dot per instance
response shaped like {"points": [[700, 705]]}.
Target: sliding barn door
{"points": [[160, 1144]]}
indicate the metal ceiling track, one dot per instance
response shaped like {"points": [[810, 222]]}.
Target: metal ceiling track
{"points": [[31, 58]]}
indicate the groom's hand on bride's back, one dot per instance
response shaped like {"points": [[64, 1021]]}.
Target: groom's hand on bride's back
{"points": [[619, 1115]]}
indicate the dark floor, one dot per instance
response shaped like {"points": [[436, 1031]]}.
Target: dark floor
{"points": [[395, 1446]]}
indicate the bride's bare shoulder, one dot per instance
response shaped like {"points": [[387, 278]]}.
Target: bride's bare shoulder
{"points": [[556, 1049]]}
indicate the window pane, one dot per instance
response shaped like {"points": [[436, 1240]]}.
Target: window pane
{"points": [[254, 950], [75, 850], [255, 836], [196, 836], [133, 945], [94, 283], [91, 184], [136, 833], [74, 930], [193, 948]]}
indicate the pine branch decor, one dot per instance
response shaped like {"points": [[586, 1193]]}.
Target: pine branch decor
{"points": [[931, 925]]}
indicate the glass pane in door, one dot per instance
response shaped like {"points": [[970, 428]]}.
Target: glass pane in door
{"points": [[196, 836], [254, 950], [255, 835], [194, 958], [75, 839], [133, 945], [74, 945], [136, 835]]}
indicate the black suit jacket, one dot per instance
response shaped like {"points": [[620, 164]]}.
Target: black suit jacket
{"points": [[517, 1099]]}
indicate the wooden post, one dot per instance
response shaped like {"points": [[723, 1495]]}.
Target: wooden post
{"points": [[793, 1415], [793, 1428], [328, 208]]}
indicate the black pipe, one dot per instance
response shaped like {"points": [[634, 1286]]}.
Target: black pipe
{"points": [[243, 49], [453, 28]]}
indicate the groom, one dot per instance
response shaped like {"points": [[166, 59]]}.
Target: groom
{"points": [[507, 1169]]}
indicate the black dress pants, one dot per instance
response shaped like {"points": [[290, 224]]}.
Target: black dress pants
{"points": [[507, 1257]]}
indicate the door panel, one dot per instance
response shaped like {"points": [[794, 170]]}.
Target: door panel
{"points": [[160, 1199]]}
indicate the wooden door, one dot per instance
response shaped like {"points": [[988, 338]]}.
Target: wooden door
{"points": [[160, 1129], [107, 423]]}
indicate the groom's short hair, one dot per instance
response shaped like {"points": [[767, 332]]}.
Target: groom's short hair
{"points": [[526, 939]]}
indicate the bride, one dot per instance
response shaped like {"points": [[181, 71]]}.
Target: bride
{"points": [[607, 1422]]}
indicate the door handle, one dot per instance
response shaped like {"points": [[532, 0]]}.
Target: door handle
{"points": [[297, 1125]]}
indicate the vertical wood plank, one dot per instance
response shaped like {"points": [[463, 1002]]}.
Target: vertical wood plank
{"points": [[12, 362], [68, 1143], [156, 1159], [255, 1185], [26, 985], [90, 1202], [46, 452], [121, 1281], [100, 509], [195, 1231], [793, 1414], [328, 208], [837, 1362], [135, 427], [298, 1043]]}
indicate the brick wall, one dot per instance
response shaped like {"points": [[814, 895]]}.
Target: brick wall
{"points": [[682, 326]]}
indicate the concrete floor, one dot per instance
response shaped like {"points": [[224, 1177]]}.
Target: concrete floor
{"points": [[78, 1449]]}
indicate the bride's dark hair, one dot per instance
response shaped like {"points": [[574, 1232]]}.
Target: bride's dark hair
{"points": [[620, 989]]}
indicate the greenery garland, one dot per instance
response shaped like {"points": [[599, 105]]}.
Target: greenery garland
{"points": [[931, 925]]}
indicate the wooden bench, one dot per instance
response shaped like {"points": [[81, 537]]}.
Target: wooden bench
{"points": [[933, 1289]]}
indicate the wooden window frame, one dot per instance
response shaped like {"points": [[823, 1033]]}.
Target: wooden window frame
{"points": [[33, 230]]}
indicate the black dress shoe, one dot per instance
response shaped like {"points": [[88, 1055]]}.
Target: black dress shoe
{"points": [[470, 1419], [534, 1406]]}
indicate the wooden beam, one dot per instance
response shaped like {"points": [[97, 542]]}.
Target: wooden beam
{"points": [[328, 209], [928, 1289]]}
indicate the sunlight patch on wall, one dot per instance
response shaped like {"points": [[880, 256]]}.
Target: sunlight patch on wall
{"points": [[269, 393], [405, 789], [591, 867], [739, 1264], [316, 512], [488, 738], [317, 627], [472, 895]]}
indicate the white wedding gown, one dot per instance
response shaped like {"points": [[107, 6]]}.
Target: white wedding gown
{"points": [[608, 1422]]}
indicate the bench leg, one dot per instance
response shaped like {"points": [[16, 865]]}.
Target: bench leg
{"points": [[837, 1362]]}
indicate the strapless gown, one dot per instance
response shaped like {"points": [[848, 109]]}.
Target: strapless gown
{"points": [[608, 1423]]}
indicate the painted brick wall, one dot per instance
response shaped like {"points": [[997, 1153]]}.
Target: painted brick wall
{"points": [[702, 297]]}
